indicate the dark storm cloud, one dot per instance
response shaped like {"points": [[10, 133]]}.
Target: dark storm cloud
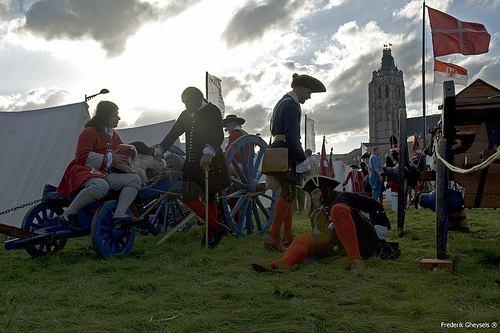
{"points": [[23, 69], [43, 99], [109, 22], [256, 118], [4, 8], [230, 83], [345, 107], [488, 71], [253, 20]]}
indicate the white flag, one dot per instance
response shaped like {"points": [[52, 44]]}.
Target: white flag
{"points": [[214, 92], [444, 71], [311, 134]]}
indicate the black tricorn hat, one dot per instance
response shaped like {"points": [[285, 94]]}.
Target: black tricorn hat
{"points": [[354, 166], [365, 155], [232, 118], [142, 148], [307, 81], [314, 182]]}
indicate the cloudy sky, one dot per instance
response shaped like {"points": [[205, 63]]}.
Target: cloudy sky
{"points": [[146, 52]]}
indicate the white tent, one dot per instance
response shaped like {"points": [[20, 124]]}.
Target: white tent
{"points": [[149, 134], [37, 146]]}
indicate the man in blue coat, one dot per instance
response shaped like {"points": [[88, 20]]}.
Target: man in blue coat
{"points": [[285, 129]]}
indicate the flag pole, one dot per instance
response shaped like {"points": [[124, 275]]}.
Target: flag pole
{"points": [[206, 85], [305, 131], [424, 130]]}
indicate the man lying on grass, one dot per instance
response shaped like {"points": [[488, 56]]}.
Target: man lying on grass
{"points": [[338, 228]]}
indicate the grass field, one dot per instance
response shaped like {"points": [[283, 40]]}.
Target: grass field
{"points": [[181, 287]]}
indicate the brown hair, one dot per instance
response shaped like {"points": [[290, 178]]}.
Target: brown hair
{"points": [[103, 111]]}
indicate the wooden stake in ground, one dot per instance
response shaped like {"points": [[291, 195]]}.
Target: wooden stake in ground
{"points": [[206, 208], [179, 225]]}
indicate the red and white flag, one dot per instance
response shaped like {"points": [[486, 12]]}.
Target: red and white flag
{"points": [[450, 35], [330, 164], [323, 161], [444, 71]]}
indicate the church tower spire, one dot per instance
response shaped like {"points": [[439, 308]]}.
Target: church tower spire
{"points": [[386, 96]]}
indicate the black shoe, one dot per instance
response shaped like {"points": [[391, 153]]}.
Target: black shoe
{"points": [[127, 221], [210, 240], [221, 231], [70, 222]]}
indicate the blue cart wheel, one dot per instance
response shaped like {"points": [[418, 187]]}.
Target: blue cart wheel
{"points": [[38, 217], [107, 239], [247, 204], [169, 214]]}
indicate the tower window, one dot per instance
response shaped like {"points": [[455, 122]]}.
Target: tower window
{"points": [[386, 91], [379, 92]]}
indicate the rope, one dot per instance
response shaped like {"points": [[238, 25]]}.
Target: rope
{"points": [[475, 168]]}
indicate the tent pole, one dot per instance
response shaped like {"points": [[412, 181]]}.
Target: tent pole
{"points": [[424, 129]]}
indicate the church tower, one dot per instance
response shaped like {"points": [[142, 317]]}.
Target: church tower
{"points": [[386, 96]]}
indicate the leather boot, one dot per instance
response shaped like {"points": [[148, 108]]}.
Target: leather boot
{"points": [[358, 265], [273, 243], [219, 232], [275, 267], [70, 222], [288, 240]]}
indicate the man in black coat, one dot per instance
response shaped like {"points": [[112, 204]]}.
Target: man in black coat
{"points": [[285, 129], [202, 124]]}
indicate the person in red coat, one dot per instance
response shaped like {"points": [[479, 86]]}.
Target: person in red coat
{"points": [[88, 174], [356, 177], [232, 124]]}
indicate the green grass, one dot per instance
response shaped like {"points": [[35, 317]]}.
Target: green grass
{"points": [[181, 287]]}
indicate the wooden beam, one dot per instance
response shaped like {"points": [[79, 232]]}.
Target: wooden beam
{"points": [[435, 264], [15, 231], [179, 225]]}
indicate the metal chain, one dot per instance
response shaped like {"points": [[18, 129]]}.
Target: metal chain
{"points": [[10, 210]]}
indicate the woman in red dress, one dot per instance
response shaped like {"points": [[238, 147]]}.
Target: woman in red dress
{"points": [[88, 174]]}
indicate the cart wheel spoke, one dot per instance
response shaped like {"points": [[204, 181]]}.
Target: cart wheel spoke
{"points": [[242, 215], [121, 245], [244, 161], [238, 183], [237, 206], [248, 213], [44, 214], [256, 215], [239, 171], [251, 160], [261, 206], [267, 196], [257, 163]]}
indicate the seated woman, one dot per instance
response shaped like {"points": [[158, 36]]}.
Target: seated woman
{"points": [[88, 174], [338, 227]]}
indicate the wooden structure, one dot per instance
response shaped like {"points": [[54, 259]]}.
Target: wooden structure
{"points": [[468, 133], [477, 123]]}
